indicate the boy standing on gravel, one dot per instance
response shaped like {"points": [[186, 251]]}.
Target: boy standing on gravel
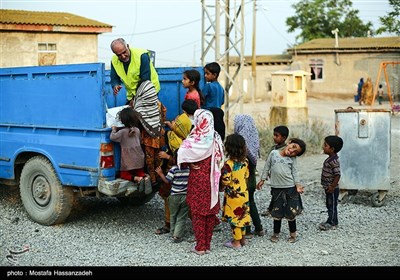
{"points": [[285, 186], [281, 133], [179, 210], [330, 177]]}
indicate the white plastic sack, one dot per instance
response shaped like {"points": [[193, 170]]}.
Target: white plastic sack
{"points": [[111, 116]]}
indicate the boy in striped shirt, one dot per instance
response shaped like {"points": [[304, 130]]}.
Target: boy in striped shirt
{"points": [[179, 210]]}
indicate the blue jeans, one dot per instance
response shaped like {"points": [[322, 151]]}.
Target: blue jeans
{"points": [[331, 204]]}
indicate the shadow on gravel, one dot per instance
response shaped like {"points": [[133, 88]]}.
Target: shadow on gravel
{"points": [[111, 209], [10, 194]]}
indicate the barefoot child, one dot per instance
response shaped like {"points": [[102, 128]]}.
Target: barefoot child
{"points": [[234, 174], [245, 125]]}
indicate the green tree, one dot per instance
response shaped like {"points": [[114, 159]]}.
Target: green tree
{"points": [[317, 19], [391, 22]]}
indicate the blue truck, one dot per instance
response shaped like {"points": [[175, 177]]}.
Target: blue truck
{"points": [[54, 140]]}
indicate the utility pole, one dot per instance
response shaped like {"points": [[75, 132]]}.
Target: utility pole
{"points": [[253, 56], [336, 32], [213, 35]]}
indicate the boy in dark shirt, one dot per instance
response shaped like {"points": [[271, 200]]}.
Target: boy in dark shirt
{"points": [[330, 177]]}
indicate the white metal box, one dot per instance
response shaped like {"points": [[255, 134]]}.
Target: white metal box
{"points": [[365, 156]]}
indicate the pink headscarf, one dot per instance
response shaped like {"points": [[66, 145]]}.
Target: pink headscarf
{"points": [[201, 143]]}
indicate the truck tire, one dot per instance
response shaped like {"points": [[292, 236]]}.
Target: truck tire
{"points": [[45, 200]]}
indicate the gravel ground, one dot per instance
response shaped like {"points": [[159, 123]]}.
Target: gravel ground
{"points": [[103, 232]]}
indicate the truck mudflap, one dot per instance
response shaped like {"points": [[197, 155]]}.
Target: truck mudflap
{"points": [[120, 187]]}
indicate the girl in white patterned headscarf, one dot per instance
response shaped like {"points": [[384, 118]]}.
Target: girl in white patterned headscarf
{"points": [[203, 149]]}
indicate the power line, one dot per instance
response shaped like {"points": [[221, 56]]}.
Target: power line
{"points": [[176, 48], [154, 31], [276, 29]]}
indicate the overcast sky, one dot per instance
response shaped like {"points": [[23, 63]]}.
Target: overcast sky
{"points": [[173, 28]]}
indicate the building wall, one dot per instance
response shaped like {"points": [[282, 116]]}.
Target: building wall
{"points": [[21, 49], [263, 82], [341, 74]]}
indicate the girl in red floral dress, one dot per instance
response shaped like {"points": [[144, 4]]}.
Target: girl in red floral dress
{"points": [[203, 150]]}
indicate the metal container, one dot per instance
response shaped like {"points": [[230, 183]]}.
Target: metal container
{"points": [[365, 156]]}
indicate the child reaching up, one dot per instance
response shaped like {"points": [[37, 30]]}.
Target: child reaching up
{"points": [[285, 187], [179, 210], [180, 128], [234, 175], [132, 156]]}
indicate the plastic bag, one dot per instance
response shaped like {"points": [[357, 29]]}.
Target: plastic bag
{"points": [[111, 116]]}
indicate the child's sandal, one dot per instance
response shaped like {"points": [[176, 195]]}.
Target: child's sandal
{"points": [[274, 238], [176, 239], [162, 230], [292, 239]]}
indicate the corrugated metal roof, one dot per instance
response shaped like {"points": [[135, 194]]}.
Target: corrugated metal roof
{"points": [[351, 43], [47, 18]]}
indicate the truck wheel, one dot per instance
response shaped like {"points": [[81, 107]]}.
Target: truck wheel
{"points": [[45, 200]]}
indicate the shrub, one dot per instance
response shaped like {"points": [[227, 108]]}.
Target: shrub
{"points": [[313, 133]]}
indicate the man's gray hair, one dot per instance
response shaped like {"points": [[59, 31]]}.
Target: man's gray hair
{"points": [[118, 41]]}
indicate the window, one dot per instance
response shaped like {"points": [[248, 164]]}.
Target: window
{"points": [[47, 53], [317, 69], [47, 47], [298, 83]]}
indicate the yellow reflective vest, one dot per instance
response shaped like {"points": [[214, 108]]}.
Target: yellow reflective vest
{"points": [[131, 79]]}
